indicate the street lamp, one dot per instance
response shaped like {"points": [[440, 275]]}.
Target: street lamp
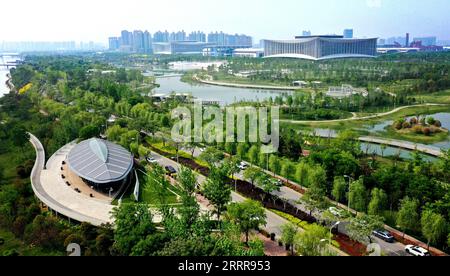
{"points": [[331, 229], [349, 186]]}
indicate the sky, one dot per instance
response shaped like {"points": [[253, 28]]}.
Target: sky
{"points": [[96, 20]]}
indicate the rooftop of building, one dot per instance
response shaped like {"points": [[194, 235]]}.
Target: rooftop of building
{"points": [[100, 161]]}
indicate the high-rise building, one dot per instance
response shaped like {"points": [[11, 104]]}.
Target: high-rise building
{"points": [[407, 40], [348, 33], [114, 43], [126, 38], [222, 39], [138, 41], [197, 36], [147, 42], [161, 36]]}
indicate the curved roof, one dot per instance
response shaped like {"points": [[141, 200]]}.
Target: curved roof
{"points": [[306, 57], [100, 161]]}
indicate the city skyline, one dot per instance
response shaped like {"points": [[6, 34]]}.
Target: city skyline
{"points": [[270, 20]]}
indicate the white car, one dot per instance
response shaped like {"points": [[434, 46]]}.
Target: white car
{"points": [[243, 166], [151, 160], [417, 251], [336, 212]]}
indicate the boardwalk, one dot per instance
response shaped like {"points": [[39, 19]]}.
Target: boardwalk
{"points": [[429, 150], [354, 118]]}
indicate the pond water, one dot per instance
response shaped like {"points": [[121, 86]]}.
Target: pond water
{"points": [[3, 72], [225, 95], [375, 148], [444, 117]]}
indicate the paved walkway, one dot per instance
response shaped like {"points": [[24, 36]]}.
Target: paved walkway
{"points": [[375, 116], [239, 85], [50, 188], [430, 150]]}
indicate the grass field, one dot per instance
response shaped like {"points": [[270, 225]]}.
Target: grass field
{"points": [[151, 195], [439, 97], [361, 124]]}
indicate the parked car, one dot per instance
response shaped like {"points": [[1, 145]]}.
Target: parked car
{"points": [[151, 160], [384, 235], [336, 212], [243, 166], [278, 183], [417, 251], [170, 170]]}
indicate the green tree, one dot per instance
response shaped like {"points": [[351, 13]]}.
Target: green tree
{"points": [[408, 216], [211, 156], [241, 150], [248, 215], [253, 155], [339, 189], [275, 164], [361, 227], [252, 174], [19, 136], [313, 242], [267, 185], [88, 132], [434, 227], [189, 210], [134, 223], [357, 196], [377, 203], [287, 169], [288, 233], [217, 191], [301, 173]]}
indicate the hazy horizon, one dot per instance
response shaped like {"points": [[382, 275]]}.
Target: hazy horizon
{"points": [[82, 20]]}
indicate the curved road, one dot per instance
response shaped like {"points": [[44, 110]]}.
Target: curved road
{"points": [[43, 195]]}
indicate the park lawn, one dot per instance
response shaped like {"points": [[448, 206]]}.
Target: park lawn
{"points": [[361, 124], [442, 97], [151, 195], [12, 244]]}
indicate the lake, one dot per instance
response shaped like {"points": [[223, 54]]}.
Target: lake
{"points": [[444, 117], [225, 95], [3, 72]]}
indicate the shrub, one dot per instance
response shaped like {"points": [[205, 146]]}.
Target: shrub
{"points": [[418, 129], [413, 121], [427, 131], [431, 121], [437, 123], [398, 125], [406, 125]]}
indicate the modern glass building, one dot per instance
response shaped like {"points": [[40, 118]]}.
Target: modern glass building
{"points": [[321, 47], [100, 163]]}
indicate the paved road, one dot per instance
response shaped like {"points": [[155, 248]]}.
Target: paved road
{"points": [[293, 197], [274, 221]]}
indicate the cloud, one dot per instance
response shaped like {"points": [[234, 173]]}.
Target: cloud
{"points": [[374, 3]]}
